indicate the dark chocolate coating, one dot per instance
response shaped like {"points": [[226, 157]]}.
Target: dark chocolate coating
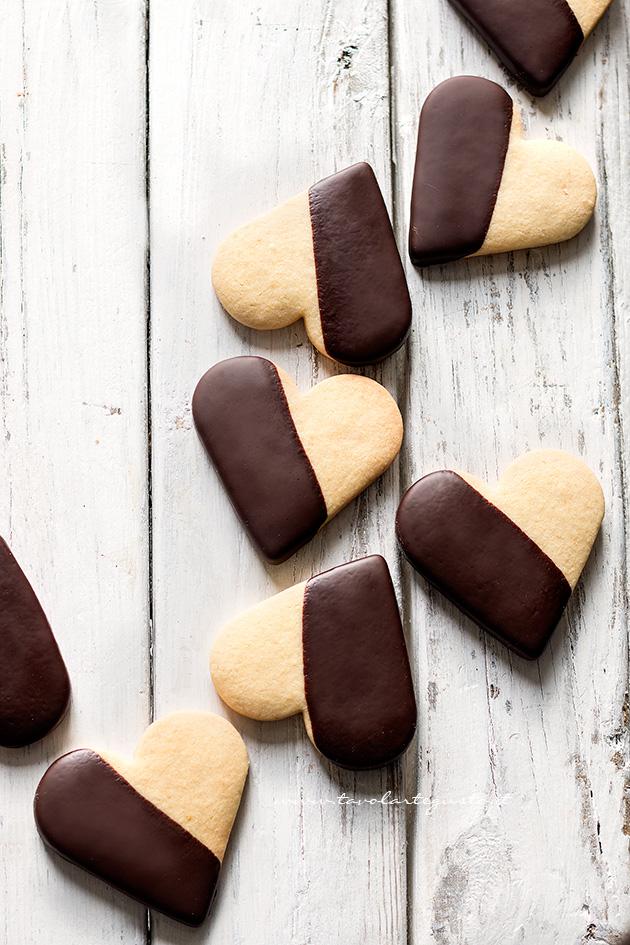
{"points": [[359, 690], [536, 40], [34, 684], [95, 819], [478, 558], [462, 143], [243, 418], [364, 302]]}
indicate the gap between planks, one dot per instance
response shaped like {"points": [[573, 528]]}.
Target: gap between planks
{"points": [[409, 767], [148, 931]]}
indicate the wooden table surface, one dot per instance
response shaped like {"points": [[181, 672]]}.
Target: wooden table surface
{"points": [[133, 137]]}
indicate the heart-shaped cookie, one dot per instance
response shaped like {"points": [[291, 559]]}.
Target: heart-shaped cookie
{"points": [[536, 40], [155, 827], [479, 187], [509, 556], [34, 684], [327, 256], [333, 649], [291, 461]]}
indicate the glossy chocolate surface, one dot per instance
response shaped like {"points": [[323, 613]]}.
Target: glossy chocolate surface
{"points": [[536, 40], [34, 684], [243, 419], [364, 302], [478, 558], [462, 143], [91, 816], [359, 690]]}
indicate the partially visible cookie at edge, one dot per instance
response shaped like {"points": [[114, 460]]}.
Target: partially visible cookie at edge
{"points": [[536, 40], [34, 683]]}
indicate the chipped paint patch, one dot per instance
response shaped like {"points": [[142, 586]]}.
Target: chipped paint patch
{"points": [[589, 827], [344, 60], [472, 890], [602, 935]]}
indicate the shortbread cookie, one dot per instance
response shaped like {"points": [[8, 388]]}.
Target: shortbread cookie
{"points": [[510, 555], [155, 827], [479, 187], [291, 461], [333, 649], [327, 256], [34, 684], [535, 40]]}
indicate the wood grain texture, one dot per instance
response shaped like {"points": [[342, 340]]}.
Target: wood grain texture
{"points": [[73, 412], [250, 104], [522, 766], [521, 831]]}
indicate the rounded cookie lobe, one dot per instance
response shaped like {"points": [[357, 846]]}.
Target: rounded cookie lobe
{"points": [[92, 817], [34, 684], [256, 661], [351, 429], [358, 685], [478, 558], [192, 766], [547, 194], [556, 500], [589, 12], [241, 414], [535, 39], [463, 139], [364, 303], [264, 272]]}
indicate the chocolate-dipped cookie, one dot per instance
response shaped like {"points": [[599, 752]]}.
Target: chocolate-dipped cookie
{"points": [[155, 827], [34, 684], [327, 256], [479, 187], [291, 461], [510, 555], [333, 649], [536, 40]]}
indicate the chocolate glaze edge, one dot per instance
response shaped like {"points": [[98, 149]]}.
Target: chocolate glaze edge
{"points": [[364, 667], [364, 301], [509, 31], [197, 871], [463, 139], [263, 465], [563, 587], [35, 695]]}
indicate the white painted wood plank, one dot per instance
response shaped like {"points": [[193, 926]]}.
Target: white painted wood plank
{"points": [[249, 104], [521, 837], [523, 769], [73, 447]]}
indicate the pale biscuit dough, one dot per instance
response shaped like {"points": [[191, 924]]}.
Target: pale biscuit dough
{"points": [[257, 662], [588, 13], [264, 272], [192, 766], [547, 194], [351, 430], [556, 500]]}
